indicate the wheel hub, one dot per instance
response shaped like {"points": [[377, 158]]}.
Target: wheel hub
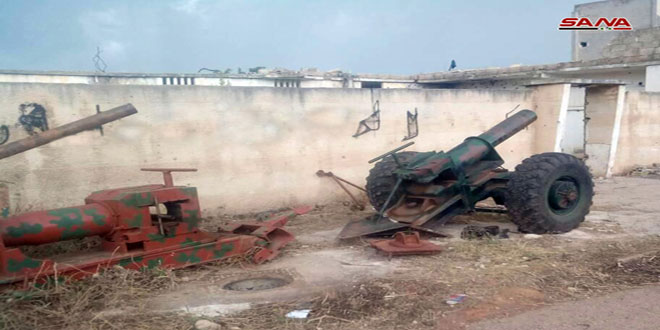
{"points": [[563, 196]]}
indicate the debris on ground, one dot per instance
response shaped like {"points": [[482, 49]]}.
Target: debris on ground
{"points": [[500, 278], [299, 314], [405, 244], [207, 325], [455, 299], [652, 170], [481, 232]]}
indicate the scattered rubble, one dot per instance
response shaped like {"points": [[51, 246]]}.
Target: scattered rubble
{"points": [[207, 325], [651, 171], [481, 232]]}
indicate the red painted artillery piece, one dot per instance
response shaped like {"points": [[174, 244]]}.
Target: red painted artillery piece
{"points": [[142, 227]]}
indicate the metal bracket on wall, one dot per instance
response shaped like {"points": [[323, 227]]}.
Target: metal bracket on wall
{"points": [[371, 123], [413, 127], [4, 134], [98, 110]]}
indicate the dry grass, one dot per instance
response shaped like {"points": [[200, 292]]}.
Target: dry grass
{"points": [[88, 303], [379, 304], [413, 296], [113, 299]]}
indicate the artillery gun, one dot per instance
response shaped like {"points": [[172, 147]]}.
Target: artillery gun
{"points": [[547, 193]]}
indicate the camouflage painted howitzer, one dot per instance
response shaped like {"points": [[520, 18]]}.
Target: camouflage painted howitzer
{"points": [[547, 193], [141, 227]]}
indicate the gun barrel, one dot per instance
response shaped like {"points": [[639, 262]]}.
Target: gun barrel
{"points": [[49, 226], [508, 127], [72, 128], [473, 149]]}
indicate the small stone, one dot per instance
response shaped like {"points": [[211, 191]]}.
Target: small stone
{"points": [[531, 236], [207, 325]]}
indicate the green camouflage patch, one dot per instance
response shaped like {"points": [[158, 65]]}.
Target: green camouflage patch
{"points": [[75, 233], [24, 229], [193, 219], [190, 242], [98, 219], [189, 191], [136, 200], [153, 263], [136, 222], [127, 261], [224, 248], [15, 266], [68, 218], [184, 258], [160, 238]]}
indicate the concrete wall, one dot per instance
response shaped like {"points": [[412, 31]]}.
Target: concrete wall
{"points": [[181, 79], [633, 43], [642, 14], [653, 78], [602, 103], [550, 101], [634, 77], [255, 148], [639, 136]]}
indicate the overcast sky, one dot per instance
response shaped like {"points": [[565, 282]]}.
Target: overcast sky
{"points": [[370, 36]]}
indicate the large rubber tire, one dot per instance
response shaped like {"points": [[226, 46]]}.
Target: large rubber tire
{"points": [[381, 180], [529, 190]]}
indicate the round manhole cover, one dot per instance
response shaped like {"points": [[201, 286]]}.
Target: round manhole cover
{"points": [[255, 284]]}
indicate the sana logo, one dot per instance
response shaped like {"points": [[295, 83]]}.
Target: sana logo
{"points": [[602, 23]]}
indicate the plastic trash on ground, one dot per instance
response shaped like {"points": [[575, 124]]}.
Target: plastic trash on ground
{"points": [[456, 299], [299, 314]]}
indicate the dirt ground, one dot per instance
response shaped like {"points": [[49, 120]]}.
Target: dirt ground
{"points": [[346, 284]]}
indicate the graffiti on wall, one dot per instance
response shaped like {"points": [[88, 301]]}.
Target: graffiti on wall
{"points": [[371, 123], [413, 127], [33, 117]]}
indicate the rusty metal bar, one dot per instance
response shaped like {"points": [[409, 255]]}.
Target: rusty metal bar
{"points": [[88, 123], [339, 181], [348, 183], [167, 173], [391, 152]]}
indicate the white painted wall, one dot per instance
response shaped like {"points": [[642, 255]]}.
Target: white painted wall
{"points": [[639, 137], [602, 103], [175, 80], [255, 148], [572, 141], [653, 78]]}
